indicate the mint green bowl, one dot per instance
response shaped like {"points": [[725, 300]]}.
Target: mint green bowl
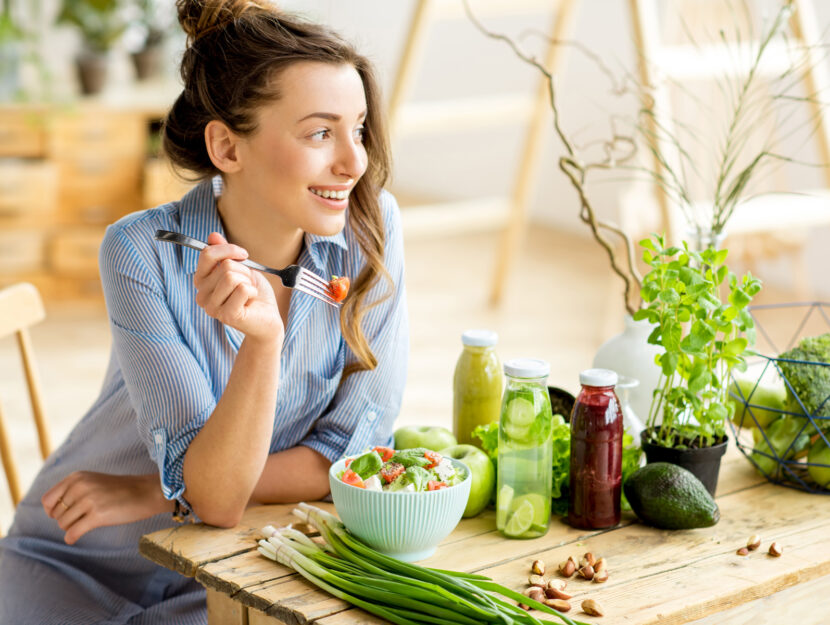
{"points": [[407, 526]]}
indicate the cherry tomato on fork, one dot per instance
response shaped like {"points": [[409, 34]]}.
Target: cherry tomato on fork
{"points": [[339, 288]]}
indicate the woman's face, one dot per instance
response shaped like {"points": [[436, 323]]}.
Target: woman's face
{"points": [[308, 145]]}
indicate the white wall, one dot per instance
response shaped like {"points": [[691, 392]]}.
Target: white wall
{"points": [[461, 62]]}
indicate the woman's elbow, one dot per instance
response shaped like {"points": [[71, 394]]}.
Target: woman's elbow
{"points": [[220, 518]]}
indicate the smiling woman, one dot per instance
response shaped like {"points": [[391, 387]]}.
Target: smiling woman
{"points": [[226, 388]]}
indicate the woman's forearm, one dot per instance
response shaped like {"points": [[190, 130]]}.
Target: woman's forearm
{"points": [[292, 475], [225, 460]]}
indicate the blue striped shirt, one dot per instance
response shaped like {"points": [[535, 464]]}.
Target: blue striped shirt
{"points": [[169, 365], [176, 360]]}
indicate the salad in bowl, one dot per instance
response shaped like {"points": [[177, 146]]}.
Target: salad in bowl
{"points": [[400, 502], [409, 470]]}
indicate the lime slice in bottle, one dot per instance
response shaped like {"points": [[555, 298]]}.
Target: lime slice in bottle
{"points": [[537, 502], [520, 412], [521, 520], [504, 501]]}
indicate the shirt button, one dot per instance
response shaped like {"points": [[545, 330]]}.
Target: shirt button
{"points": [[371, 416]]}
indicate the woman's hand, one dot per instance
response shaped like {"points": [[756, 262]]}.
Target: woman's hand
{"points": [[85, 500], [234, 294]]}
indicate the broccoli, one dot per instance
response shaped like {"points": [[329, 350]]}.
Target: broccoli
{"points": [[809, 380]]}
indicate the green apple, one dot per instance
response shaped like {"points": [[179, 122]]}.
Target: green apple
{"points": [[483, 475], [819, 454], [432, 437], [761, 404]]}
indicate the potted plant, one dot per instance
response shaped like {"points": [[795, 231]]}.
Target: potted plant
{"points": [[101, 25], [704, 337], [153, 20], [11, 51]]}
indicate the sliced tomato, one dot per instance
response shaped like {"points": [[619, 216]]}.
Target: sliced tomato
{"points": [[385, 453], [436, 485], [434, 457], [339, 288], [348, 462], [350, 477], [391, 470]]}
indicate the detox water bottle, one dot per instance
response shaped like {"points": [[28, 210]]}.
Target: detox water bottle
{"points": [[525, 451]]}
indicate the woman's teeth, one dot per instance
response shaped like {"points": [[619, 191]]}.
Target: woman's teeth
{"points": [[331, 195]]}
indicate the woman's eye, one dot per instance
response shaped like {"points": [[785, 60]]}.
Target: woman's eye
{"points": [[359, 132], [320, 135]]}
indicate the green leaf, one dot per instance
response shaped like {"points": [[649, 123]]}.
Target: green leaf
{"points": [[735, 347], [739, 298], [668, 361], [700, 379], [646, 243], [367, 465], [669, 296], [719, 257]]}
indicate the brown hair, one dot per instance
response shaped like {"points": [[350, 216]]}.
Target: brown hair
{"points": [[236, 48]]}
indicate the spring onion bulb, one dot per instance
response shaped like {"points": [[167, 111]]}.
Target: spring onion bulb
{"points": [[400, 592]]}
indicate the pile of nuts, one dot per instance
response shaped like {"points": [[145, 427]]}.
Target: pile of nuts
{"points": [[754, 541], [552, 593]]}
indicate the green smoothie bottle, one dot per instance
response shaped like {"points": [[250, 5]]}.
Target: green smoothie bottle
{"points": [[477, 385], [525, 451]]}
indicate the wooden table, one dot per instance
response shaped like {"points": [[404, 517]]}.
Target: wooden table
{"points": [[656, 576]]}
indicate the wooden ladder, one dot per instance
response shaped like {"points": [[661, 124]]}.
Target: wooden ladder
{"points": [[510, 212]]}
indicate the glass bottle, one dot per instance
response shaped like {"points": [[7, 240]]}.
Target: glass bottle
{"points": [[596, 452], [525, 451], [477, 385]]}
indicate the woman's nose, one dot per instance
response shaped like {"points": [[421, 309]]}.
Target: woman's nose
{"points": [[350, 159]]}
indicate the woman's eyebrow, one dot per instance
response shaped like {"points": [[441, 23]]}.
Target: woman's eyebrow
{"points": [[330, 116]]}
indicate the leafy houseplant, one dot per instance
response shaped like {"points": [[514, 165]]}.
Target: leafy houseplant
{"points": [[704, 338], [11, 39], [101, 24]]}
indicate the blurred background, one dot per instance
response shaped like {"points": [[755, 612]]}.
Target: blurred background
{"points": [[492, 225]]}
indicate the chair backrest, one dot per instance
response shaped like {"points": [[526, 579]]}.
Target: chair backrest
{"points": [[20, 308]]}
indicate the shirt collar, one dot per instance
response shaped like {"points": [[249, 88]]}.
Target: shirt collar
{"points": [[200, 217]]}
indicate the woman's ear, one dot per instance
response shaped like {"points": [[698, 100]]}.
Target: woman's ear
{"points": [[222, 147]]}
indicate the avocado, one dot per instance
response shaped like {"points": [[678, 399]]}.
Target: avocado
{"points": [[668, 496]]}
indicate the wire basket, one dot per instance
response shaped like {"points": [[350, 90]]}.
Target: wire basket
{"points": [[785, 432]]}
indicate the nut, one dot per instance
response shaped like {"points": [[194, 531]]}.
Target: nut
{"points": [[591, 607], [588, 558], [559, 584], [601, 576], [557, 593], [587, 572], [753, 542], [524, 607], [537, 580], [743, 551], [568, 567], [600, 565], [538, 567], [558, 604], [775, 550], [536, 593]]}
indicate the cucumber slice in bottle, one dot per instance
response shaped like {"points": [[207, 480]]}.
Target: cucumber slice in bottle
{"points": [[504, 501]]}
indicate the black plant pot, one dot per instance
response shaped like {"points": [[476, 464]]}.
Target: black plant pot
{"points": [[92, 72], [148, 62], [703, 463]]}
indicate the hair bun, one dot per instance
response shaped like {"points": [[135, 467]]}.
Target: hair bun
{"points": [[199, 17]]}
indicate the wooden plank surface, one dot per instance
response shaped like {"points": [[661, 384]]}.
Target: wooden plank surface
{"points": [[657, 576]]}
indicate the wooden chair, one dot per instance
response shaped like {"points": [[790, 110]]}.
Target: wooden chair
{"points": [[20, 308]]}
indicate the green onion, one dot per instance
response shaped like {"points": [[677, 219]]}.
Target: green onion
{"points": [[400, 592]]}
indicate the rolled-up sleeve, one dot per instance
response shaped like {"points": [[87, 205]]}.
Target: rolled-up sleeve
{"points": [[168, 388], [365, 406]]}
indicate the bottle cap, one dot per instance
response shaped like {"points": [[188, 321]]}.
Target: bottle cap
{"points": [[479, 338], [598, 377], [527, 368]]}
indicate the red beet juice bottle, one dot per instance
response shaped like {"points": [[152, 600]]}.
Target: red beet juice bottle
{"points": [[596, 452]]}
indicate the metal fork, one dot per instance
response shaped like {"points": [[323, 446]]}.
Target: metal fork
{"points": [[293, 276]]}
